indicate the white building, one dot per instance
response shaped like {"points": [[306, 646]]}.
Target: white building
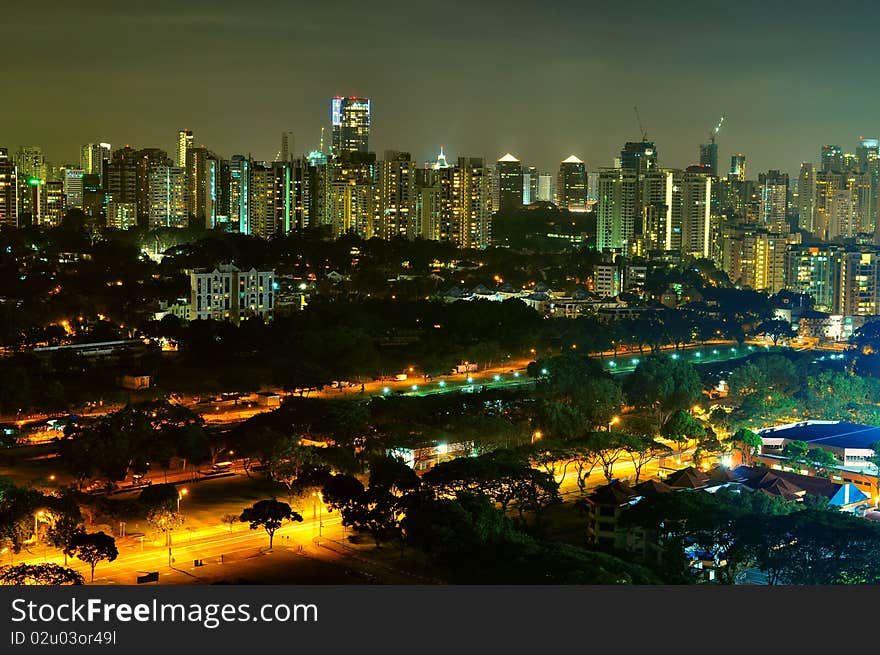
{"points": [[228, 293]]}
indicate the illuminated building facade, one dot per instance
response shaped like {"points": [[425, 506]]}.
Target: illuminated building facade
{"points": [[350, 123]]}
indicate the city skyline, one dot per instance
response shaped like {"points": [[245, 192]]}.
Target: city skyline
{"points": [[449, 100]]}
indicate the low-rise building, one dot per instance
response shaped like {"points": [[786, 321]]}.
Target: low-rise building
{"points": [[229, 294]]}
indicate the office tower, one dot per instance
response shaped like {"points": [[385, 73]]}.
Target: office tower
{"points": [[8, 190], [167, 196], [545, 187], [184, 142], [350, 123], [832, 159], [121, 187], [657, 205], [807, 197], [737, 168], [73, 187], [571, 185], [695, 199], [709, 157], [93, 158], [396, 197], [773, 190], [617, 208], [30, 163], [815, 270], [146, 161], [471, 204], [860, 284], [530, 185], [509, 177], [640, 156], [239, 193], [350, 203]]}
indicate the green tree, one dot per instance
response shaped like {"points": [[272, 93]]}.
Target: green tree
{"points": [[682, 428], [269, 515], [663, 384], [39, 574], [748, 443], [94, 547]]}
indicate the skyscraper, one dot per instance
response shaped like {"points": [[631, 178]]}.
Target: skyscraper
{"points": [[73, 187], [184, 141], [471, 204], [530, 185], [832, 159], [396, 197], [807, 197], [737, 168], [167, 196], [545, 187], [510, 183], [696, 194], [8, 190], [121, 185], [638, 156], [617, 208], [571, 186], [93, 158], [709, 157], [350, 123], [773, 190], [239, 193]]}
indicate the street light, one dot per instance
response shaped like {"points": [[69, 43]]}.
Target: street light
{"points": [[37, 516], [180, 495], [536, 435], [614, 421]]}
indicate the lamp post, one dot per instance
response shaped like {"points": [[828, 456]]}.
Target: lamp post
{"points": [[180, 495], [37, 517], [614, 421]]}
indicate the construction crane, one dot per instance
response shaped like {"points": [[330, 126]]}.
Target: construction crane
{"points": [[715, 130], [641, 127]]}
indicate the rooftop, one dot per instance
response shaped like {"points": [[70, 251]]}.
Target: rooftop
{"points": [[835, 434]]}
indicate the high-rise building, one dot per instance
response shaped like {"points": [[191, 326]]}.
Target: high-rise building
{"points": [[773, 190], [867, 150], [239, 193], [287, 146], [470, 225], [709, 157], [617, 209], [545, 187], [860, 283], [8, 190], [657, 204], [807, 197], [832, 159], [73, 187], [737, 168], [201, 180], [571, 185], [146, 161], [167, 197], [640, 156], [350, 122], [350, 200], [695, 190], [93, 158], [815, 270], [509, 173], [184, 142], [396, 197], [121, 186], [530, 185]]}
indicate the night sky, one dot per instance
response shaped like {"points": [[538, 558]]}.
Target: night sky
{"points": [[539, 79]]}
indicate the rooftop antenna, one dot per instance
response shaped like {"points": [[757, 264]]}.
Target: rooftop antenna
{"points": [[641, 127], [321, 146]]}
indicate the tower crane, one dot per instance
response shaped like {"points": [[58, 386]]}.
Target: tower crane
{"points": [[715, 130], [641, 127]]}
